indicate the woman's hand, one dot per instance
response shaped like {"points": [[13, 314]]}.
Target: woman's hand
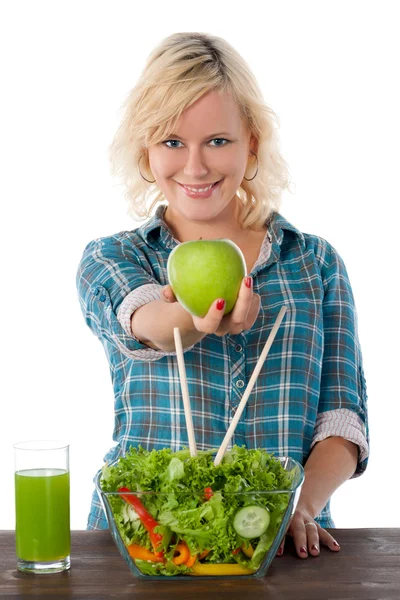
{"points": [[308, 535], [241, 318]]}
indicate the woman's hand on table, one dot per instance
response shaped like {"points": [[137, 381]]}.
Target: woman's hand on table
{"points": [[308, 535], [241, 318]]}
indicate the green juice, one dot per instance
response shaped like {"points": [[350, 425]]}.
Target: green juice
{"points": [[42, 515]]}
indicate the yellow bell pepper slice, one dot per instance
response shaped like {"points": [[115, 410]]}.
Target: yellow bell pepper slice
{"points": [[183, 554], [218, 569], [138, 552], [248, 550]]}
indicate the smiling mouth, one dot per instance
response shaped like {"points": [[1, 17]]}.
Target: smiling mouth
{"points": [[203, 188]]}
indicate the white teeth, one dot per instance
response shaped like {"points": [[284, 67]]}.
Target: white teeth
{"points": [[199, 189]]}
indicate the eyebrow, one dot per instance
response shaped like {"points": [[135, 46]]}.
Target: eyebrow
{"points": [[208, 137]]}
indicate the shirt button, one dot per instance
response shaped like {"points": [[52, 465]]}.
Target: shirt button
{"points": [[240, 383], [102, 298], [97, 292], [238, 348]]}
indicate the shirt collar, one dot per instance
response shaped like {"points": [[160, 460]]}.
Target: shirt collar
{"points": [[156, 230], [277, 227]]}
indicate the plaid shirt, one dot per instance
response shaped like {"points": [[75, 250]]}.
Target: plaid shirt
{"points": [[311, 386]]}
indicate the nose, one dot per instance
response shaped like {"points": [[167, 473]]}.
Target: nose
{"points": [[195, 166]]}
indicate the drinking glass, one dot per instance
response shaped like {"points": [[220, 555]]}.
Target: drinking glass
{"points": [[42, 527]]}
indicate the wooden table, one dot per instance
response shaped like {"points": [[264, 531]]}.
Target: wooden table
{"points": [[367, 567]]}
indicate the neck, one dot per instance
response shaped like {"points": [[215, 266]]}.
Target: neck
{"points": [[224, 225]]}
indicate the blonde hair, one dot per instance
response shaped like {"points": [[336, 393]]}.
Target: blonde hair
{"points": [[178, 72]]}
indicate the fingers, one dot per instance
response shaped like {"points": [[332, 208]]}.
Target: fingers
{"points": [[238, 316], [313, 539], [245, 311], [242, 316], [212, 321], [167, 294], [299, 534], [308, 537], [281, 548], [327, 540]]}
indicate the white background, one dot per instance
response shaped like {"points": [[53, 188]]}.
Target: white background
{"points": [[328, 69]]}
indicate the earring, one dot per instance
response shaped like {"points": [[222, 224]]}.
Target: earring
{"points": [[148, 181], [256, 170]]}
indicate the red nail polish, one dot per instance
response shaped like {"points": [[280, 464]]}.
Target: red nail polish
{"points": [[336, 544], [303, 550], [221, 304], [280, 552], [315, 547], [248, 281]]}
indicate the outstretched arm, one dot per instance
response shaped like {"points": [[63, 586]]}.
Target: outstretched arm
{"points": [[153, 323]]}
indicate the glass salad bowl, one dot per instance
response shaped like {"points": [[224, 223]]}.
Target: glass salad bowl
{"points": [[173, 516]]}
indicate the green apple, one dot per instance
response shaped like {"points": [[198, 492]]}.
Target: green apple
{"points": [[202, 271]]}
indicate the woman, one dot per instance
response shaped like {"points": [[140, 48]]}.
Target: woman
{"points": [[198, 143]]}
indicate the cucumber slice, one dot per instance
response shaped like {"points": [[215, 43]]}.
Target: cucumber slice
{"points": [[251, 521]]}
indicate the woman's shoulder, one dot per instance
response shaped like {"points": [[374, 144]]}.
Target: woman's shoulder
{"points": [[137, 240], [116, 239], [286, 232], [321, 247], [121, 243], [140, 238]]}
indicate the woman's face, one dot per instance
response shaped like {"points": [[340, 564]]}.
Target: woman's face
{"points": [[209, 147]]}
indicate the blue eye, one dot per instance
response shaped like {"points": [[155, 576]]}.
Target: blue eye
{"points": [[220, 140], [172, 141]]}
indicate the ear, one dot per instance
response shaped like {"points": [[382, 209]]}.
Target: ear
{"points": [[253, 145]]}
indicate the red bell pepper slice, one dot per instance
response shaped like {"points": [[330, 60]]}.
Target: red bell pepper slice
{"points": [[208, 493], [148, 521]]}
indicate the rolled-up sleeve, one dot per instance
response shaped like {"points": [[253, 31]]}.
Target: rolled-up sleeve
{"points": [[344, 423], [342, 409], [108, 273]]}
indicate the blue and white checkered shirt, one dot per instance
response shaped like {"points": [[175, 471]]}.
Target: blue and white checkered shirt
{"points": [[311, 386]]}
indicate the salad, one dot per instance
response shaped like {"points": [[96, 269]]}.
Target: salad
{"points": [[181, 515]]}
